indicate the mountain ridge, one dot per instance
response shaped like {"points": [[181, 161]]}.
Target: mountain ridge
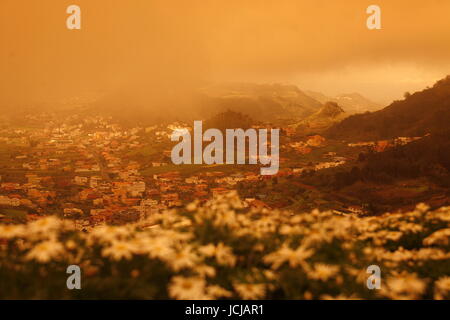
{"points": [[426, 111], [351, 102], [260, 101]]}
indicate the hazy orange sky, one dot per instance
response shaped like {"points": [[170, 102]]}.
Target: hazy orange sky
{"points": [[167, 47]]}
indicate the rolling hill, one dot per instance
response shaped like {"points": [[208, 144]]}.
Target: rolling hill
{"points": [[263, 102], [350, 102], [423, 112], [329, 114]]}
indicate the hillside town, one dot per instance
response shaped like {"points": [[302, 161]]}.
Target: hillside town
{"points": [[94, 171]]}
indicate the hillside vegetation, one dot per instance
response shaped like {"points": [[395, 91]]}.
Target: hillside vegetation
{"points": [[423, 112]]}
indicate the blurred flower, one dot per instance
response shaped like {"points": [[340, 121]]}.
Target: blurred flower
{"points": [[45, 251], [208, 250], [223, 250], [223, 254], [109, 233], [205, 271], [403, 286], [216, 291], [184, 258], [191, 206], [442, 288], [12, 231], [119, 250], [323, 271], [70, 244], [187, 288], [440, 237], [250, 291], [286, 254], [44, 225], [160, 249]]}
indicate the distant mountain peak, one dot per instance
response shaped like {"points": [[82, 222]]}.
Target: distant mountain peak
{"points": [[330, 110]]}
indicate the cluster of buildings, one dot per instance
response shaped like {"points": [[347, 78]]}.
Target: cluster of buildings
{"points": [[90, 170], [382, 145], [94, 171], [305, 147]]}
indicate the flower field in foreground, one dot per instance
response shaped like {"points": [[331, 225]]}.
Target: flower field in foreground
{"points": [[222, 250]]}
